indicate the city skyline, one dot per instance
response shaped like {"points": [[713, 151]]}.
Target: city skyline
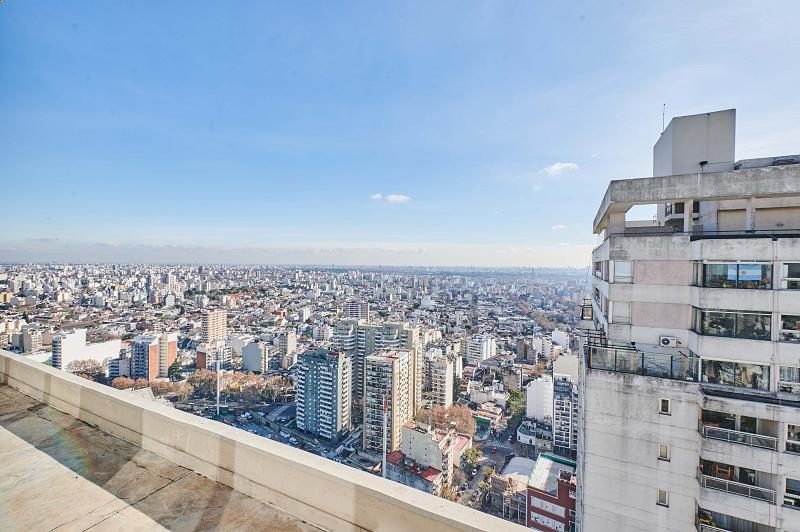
{"points": [[364, 135]]}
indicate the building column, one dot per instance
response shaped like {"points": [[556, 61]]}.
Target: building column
{"points": [[750, 214], [688, 215], [616, 223]]}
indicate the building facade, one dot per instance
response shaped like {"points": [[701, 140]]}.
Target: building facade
{"points": [[389, 378], [689, 384], [214, 325], [323, 394], [152, 355]]}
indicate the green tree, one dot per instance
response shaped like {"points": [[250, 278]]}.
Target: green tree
{"points": [[174, 371]]}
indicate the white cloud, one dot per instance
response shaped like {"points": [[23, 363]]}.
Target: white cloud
{"points": [[391, 198], [559, 227], [398, 198], [557, 168]]}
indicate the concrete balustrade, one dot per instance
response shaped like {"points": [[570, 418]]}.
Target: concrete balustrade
{"points": [[320, 491]]}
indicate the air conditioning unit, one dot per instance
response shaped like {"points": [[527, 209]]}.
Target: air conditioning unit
{"points": [[668, 341]]}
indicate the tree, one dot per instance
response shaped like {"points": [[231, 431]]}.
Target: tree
{"points": [[471, 457], [174, 371], [204, 382], [516, 405], [88, 369], [122, 383]]}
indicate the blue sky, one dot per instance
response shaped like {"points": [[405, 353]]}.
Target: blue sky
{"points": [[265, 132]]}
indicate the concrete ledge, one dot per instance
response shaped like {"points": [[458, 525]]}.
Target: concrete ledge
{"points": [[320, 491]]}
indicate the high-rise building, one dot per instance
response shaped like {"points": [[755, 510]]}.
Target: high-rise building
{"points": [[152, 355], [215, 325], [480, 347], [442, 382], [689, 389], [324, 394], [359, 340], [389, 377], [357, 310], [565, 416]]}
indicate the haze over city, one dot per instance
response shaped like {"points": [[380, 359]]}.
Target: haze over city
{"points": [[393, 133]]}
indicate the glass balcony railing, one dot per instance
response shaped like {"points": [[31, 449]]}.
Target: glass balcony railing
{"points": [[736, 488], [737, 436], [624, 359]]}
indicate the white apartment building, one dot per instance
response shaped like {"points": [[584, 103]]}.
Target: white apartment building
{"points": [[69, 346], [324, 394], [689, 388], [215, 325], [256, 356], [480, 347], [389, 376], [442, 382], [539, 399]]}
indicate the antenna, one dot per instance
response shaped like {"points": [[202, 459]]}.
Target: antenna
{"points": [[663, 112]]}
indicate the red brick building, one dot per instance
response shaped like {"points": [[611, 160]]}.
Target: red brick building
{"points": [[551, 494]]}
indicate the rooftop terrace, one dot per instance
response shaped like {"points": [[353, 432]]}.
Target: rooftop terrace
{"points": [[80, 455]]}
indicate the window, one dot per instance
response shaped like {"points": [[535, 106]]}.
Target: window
{"points": [[663, 452], [623, 271], [738, 374], [737, 275], [662, 499], [622, 312], [735, 324], [789, 379], [663, 406], [793, 438], [790, 328], [792, 495], [791, 276]]}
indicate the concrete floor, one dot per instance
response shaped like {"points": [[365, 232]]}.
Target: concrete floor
{"points": [[58, 473]]}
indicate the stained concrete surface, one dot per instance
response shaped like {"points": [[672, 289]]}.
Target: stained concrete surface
{"points": [[58, 473]]}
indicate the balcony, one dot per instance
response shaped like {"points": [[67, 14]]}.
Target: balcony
{"points": [[94, 454], [737, 488], [737, 436]]}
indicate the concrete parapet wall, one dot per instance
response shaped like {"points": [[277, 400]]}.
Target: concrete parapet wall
{"points": [[322, 492]]}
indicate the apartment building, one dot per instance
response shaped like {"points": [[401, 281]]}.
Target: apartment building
{"points": [[323, 394], [689, 385], [551, 494], [388, 376], [152, 355], [425, 460], [565, 416], [357, 310], [359, 340], [442, 382], [211, 353], [256, 357], [480, 347], [214, 325], [69, 346]]}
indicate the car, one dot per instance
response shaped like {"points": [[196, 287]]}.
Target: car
{"points": [[494, 450], [474, 472]]}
